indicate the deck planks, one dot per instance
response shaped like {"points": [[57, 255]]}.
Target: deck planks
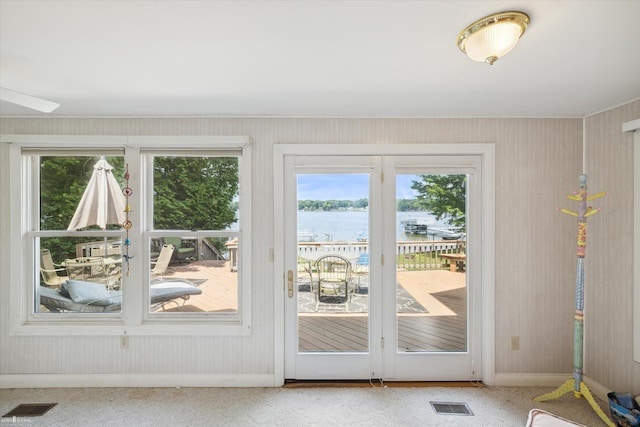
{"points": [[349, 332]]}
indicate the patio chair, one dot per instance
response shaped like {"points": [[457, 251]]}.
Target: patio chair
{"points": [[49, 270], [305, 275], [162, 262], [112, 250], [334, 274], [183, 252], [360, 270]]}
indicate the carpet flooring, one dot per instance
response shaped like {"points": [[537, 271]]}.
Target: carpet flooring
{"points": [[371, 406]]}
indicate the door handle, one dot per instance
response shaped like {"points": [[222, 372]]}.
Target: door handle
{"points": [[290, 283]]}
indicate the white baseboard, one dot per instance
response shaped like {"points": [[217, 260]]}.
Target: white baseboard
{"points": [[198, 380], [135, 380], [530, 380], [597, 389], [548, 380]]}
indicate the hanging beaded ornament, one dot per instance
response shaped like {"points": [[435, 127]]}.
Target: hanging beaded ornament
{"points": [[127, 224]]}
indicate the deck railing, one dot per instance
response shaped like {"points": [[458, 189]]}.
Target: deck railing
{"points": [[410, 255]]}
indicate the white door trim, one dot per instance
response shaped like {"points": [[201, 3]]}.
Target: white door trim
{"points": [[487, 153]]}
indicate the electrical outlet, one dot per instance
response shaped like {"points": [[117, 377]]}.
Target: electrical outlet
{"points": [[124, 341], [515, 343]]}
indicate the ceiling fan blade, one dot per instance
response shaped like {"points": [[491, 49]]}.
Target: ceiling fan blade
{"points": [[27, 100]]}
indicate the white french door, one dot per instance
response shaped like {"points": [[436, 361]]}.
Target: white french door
{"points": [[405, 315]]}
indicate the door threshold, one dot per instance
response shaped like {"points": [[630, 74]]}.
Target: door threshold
{"points": [[377, 383]]}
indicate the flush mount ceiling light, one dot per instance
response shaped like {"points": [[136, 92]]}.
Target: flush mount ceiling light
{"points": [[492, 37]]}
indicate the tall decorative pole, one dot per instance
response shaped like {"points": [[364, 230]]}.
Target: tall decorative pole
{"points": [[576, 384], [127, 224]]}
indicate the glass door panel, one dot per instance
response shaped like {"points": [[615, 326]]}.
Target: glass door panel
{"points": [[397, 300], [333, 262], [431, 291]]}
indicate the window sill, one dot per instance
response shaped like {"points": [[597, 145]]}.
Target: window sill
{"points": [[118, 328]]}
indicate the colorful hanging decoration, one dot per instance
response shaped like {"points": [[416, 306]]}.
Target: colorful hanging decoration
{"points": [[127, 224], [576, 384]]}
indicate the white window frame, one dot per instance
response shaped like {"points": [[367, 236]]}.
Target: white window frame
{"points": [[634, 126], [134, 318], [146, 157]]}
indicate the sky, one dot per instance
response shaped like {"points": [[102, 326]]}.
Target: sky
{"points": [[346, 186]]}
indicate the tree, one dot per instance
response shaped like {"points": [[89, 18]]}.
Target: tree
{"points": [[195, 193], [444, 196], [361, 203], [410, 205], [189, 193], [62, 183]]}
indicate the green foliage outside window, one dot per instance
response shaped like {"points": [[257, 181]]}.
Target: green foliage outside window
{"points": [[410, 205], [62, 183], [195, 193], [332, 205], [444, 196], [189, 193]]}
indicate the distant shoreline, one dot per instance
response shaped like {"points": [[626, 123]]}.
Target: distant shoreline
{"points": [[350, 225], [360, 205], [354, 210]]}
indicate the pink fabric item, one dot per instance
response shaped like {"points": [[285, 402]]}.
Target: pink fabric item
{"points": [[540, 418]]}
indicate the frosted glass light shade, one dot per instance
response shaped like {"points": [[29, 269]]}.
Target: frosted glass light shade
{"points": [[492, 37]]}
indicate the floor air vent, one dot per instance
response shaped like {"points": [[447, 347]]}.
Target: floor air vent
{"points": [[451, 408], [29, 410]]}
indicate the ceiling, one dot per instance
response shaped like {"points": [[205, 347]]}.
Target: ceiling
{"points": [[314, 58]]}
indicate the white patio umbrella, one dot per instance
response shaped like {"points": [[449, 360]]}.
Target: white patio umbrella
{"points": [[102, 202]]}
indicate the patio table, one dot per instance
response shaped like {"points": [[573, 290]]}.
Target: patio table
{"points": [[454, 259], [91, 261], [91, 266]]}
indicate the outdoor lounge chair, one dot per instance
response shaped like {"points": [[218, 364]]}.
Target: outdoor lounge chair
{"points": [[162, 262], [90, 297], [49, 270], [182, 252]]}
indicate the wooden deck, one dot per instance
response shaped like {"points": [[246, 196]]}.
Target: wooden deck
{"points": [[219, 291], [416, 332], [441, 328]]}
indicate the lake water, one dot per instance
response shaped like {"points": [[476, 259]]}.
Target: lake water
{"points": [[351, 225]]}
